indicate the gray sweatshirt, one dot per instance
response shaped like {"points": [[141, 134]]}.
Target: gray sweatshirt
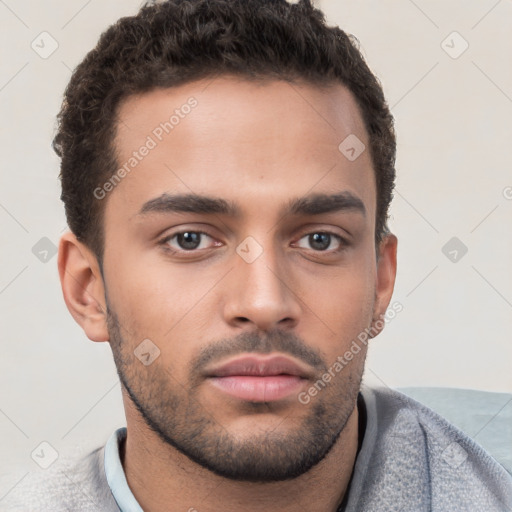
{"points": [[410, 460]]}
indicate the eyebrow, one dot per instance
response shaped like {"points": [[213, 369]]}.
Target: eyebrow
{"points": [[313, 204], [190, 203], [317, 204]]}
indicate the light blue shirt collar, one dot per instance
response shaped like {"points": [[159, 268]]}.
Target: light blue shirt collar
{"points": [[115, 473]]}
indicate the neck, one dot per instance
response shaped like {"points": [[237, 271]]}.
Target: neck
{"points": [[163, 479]]}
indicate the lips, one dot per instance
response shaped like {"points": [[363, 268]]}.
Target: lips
{"points": [[260, 367], [259, 379]]}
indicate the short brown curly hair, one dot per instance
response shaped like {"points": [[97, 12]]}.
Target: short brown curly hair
{"points": [[173, 42]]}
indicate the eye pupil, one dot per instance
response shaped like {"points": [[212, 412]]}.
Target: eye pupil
{"points": [[320, 241], [189, 240]]}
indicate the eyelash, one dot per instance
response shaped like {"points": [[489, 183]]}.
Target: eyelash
{"points": [[342, 241]]}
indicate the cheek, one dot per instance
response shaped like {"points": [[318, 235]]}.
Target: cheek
{"points": [[342, 309], [166, 305]]}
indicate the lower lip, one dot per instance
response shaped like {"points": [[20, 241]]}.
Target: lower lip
{"points": [[258, 389]]}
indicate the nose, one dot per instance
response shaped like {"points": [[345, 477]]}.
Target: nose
{"points": [[261, 293]]}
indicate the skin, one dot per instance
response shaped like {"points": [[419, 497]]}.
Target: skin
{"points": [[259, 146]]}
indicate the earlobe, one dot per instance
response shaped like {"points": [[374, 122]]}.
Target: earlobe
{"points": [[82, 287], [385, 281]]}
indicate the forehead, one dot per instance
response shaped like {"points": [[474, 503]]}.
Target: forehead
{"points": [[247, 142]]}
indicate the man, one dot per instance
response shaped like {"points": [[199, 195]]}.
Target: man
{"points": [[227, 168]]}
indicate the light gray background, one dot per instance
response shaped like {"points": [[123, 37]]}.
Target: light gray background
{"points": [[454, 180]]}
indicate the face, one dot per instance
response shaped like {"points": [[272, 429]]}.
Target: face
{"points": [[239, 264]]}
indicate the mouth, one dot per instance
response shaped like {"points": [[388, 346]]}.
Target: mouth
{"points": [[259, 379]]}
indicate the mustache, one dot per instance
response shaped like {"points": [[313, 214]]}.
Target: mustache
{"points": [[287, 343], [257, 343]]}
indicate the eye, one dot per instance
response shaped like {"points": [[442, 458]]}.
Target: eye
{"points": [[187, 241], [322, 240]]}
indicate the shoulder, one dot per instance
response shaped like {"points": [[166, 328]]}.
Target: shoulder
{"points": [[416, 447], [77, 484]]}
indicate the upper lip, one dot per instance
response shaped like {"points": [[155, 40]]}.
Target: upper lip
{"points": [[260, 366]]}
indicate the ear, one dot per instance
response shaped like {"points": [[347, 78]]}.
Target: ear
{"points": [[83, 287], [385, 281]]}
